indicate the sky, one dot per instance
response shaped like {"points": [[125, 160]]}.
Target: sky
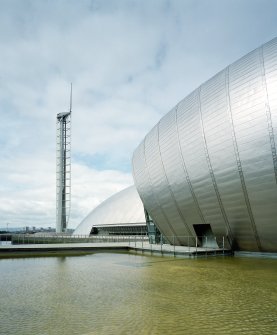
{"points": [[129, 61]]}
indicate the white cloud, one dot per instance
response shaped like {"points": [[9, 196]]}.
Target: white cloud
{"points": [[27, 190], [90, 187]]}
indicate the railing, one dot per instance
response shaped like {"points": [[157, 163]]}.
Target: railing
{"points": [[191, 245], [207, 242], [59, 238], [168, 245]]}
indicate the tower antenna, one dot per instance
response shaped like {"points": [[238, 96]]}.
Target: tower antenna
{"points": [[70, 105]]}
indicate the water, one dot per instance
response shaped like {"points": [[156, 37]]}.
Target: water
{"points": [[131, 294]]}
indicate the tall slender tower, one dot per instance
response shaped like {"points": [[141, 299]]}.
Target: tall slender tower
{"points": [[63, 182]]}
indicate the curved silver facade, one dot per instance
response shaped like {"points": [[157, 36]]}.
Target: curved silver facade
{"points": [[122, 208], [212, 158]]}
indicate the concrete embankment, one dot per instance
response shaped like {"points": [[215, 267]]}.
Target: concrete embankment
{"points": [[85, 248], [57, 249]]}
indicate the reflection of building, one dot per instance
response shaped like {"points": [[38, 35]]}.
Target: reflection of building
{"points": [[209, 167], [122, 213], [63, 169]]}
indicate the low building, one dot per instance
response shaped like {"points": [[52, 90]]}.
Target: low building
{"points": [[122, 213]]}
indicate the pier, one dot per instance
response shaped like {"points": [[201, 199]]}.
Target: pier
{"points": [[139, 247]]}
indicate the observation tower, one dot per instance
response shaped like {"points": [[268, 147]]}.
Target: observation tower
{"points": [[63, 178]]}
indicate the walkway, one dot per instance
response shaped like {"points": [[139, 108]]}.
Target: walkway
{"points": [[141, 247]]}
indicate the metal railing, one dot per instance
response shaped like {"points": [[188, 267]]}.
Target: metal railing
{"points": [[61, 238], [207, 242], [190, 245], [168, 245]]}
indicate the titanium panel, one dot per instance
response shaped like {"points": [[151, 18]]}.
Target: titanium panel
{"points": [[223, 161], [160, 185], [192, 145], [172, 167], [212, 159]]}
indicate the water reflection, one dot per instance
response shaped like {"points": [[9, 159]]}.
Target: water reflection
{"points": [[129, 294]]}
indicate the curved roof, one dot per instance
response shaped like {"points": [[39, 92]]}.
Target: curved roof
{"points": [[122, 208], [213, 158]]}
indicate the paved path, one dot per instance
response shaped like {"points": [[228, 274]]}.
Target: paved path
{"points": [[138, 247]]}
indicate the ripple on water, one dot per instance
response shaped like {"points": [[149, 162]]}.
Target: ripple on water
{"points": [[130, 294]]}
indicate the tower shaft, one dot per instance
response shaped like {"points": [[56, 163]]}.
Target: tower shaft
{"points": [[63, 182]]}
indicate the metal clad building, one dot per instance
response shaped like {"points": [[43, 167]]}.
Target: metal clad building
{"points": [[211, 161]]}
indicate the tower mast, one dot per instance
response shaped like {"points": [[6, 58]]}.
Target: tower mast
{"points": [[63, 182]]}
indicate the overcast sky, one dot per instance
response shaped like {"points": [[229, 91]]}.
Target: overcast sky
{"points": [[130, 61]]}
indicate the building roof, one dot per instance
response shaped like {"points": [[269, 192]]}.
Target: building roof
{"points": [[122, 208]]}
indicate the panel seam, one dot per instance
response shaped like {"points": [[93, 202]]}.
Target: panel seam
{"points": [[268, 113], [238, 161], [156, 198], [227, 224], [186, 171], [169, 187]]}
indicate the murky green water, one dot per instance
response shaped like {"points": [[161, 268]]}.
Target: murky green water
{"points": [[129, 294]]}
